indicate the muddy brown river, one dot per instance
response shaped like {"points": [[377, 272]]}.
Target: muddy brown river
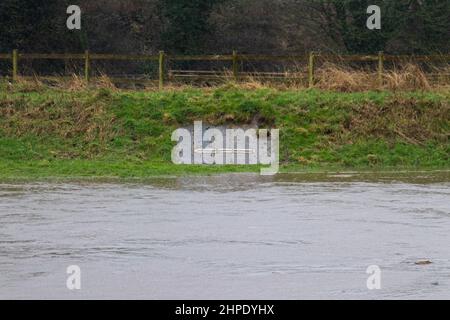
{"points": [[238, 236]]}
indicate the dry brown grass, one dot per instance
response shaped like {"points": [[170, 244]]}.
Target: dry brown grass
{"points": [[27, 85], [412, 120], [76, 83], [335, 78], [329, 76], [105, 82], [409, 77], [71, 119]]}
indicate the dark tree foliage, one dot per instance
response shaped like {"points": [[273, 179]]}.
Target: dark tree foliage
{"points": [[219, 26], [350, 24], [38, 25], [187, 24], [408, 26], [425, 28]]}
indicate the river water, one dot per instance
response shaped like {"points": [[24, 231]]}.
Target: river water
{"points": [[236, 236]]}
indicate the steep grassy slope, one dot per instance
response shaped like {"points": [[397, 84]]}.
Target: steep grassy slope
{"points": [[101, 132]]}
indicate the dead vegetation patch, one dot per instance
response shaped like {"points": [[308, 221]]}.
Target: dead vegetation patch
{"points": [[83, 122], [410, 77], [407, 119], [335, 78], [332, 76]]}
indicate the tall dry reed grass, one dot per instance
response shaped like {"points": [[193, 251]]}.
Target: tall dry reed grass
{"points": [[329, 76]]}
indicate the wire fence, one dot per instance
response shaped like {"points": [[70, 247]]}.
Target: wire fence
{"points": [[163, 68]]}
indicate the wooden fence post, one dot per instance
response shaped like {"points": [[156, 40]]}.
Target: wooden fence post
{"points": [[311, 70], [87, 66], [15, 64], [235, 66], [380, 68], [161, 70]]}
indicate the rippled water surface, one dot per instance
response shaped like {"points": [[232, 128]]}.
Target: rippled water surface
{"points": [[227, 237]]}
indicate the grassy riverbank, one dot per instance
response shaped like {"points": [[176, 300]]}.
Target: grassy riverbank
{"points": [[107, 133]]}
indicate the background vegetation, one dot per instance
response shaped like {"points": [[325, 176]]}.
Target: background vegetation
{"points": [[220, 26]]}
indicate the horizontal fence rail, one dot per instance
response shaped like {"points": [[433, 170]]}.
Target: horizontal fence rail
{"points": [[234, 59]]}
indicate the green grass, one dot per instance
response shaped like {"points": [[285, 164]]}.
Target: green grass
{"points": [[102, 133]]}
